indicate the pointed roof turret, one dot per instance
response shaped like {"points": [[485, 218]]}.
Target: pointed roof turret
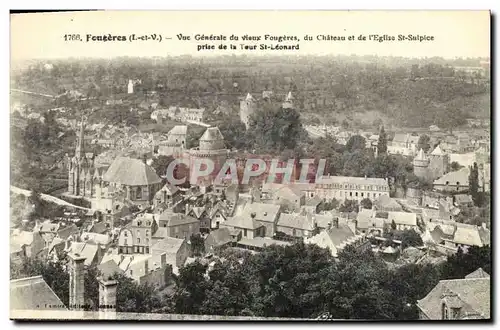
{"points": [[289, 97], [421, 155], [438, 151]]}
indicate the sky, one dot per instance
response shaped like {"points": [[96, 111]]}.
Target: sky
{"points": [[456, 33]]}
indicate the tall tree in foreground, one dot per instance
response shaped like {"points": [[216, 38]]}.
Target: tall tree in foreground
{"points": [[382, 142]]}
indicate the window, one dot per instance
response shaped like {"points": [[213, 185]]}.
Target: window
{"points": [[458, 183], [138, 193], [147, 241], [147, 232], [362, 194], [245, 232], [447, 182], [350, 193], [356, 194], [138, 240], [125, 241], [444, 312], [147, 249], [294, 232]]}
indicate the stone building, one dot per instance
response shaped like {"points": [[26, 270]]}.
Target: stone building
{"points": [[212, 148], [352, 188], [247, 108], [175, 143]]}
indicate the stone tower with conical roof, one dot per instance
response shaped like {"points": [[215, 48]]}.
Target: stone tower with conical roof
{"points": [[421, 165], [247, 108], [439, 163]]}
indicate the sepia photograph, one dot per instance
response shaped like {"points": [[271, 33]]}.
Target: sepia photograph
{"points": [[250, 165]]}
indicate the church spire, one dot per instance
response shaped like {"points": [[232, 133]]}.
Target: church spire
{"points": [[79, 144]]}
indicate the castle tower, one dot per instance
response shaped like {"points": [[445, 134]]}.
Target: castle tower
{"points": [[212, 146], [421, 165], [130, 87], [247, 108], [438, 163], [288, 104]]}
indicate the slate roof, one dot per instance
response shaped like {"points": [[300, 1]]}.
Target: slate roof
{"points": [[168, 244], [219, 236], [98, 227], [176, 219], [67, 231], [402, 218], [352, 180], [473, 295], [178, 130], [296, 221], [109, 268], [461, 176], [263, 211], [96, 238], [438, 152], [86, 250], [387, 203], [478, 273], [131, 172], [212, 134], [33, 293]]}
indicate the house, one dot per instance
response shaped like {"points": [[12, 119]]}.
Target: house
{"points": [[453, 181], [98, 227], [92, 252], [403, 220], [221, 237], [136, 237], [312, 205], [452, 235], [26, 244], [352, 188], [103, 239], [337, 237], [33, 293], [458, 299], [368, 223], [290, 197], [109, 268], [386, 203], [178, 225], [296, 225], [175, 250], [265, 215], [248, 225], [168, 194], [463, 200]]}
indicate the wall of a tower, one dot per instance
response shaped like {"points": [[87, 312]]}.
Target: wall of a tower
{"points": [[438, 166]]}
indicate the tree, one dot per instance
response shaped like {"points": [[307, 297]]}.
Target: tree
{"points": [[355, 143], [233, 131], [410, 237], [366, 203], [197, 245], [382, 142], [455, 166], [160, 164], [345, 124], [424, 143], [275, 129], [474, 185], [349, 205], [393, 225], [191, 289]]}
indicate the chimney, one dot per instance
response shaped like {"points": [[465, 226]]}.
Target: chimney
{"points": [[107, 297], [146, 267], [336, 222], [483, 225], [76, 281]]}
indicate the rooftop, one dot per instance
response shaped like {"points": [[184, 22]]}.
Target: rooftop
{"points": [[131, 172], [33, 293]]}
